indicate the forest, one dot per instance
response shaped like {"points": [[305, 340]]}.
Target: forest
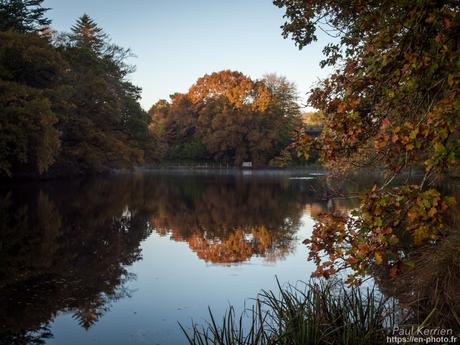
{"points": [[69, 108]]}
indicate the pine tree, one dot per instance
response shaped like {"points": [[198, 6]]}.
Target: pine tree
{"points": [[22, 15], [87, 34]]}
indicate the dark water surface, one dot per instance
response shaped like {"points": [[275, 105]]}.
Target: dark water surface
{"points": [[121, 259]]}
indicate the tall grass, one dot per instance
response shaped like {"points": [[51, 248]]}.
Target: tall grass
{"points": [[313, 313]]}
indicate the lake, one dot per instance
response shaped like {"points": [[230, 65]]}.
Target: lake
{"points": [[122, 259]]}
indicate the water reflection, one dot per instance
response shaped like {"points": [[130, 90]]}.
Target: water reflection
{"points": [[66, 246], [229, 222], [63, 249]]}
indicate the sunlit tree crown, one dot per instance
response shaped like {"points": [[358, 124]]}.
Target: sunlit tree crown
{"points": [[87, 34]]}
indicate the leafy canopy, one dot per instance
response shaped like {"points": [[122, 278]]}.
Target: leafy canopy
{"points": [[67, 107], [392, 102], [28, 78], [226, 116]]}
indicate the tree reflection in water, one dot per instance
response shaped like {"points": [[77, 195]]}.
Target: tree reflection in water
{"points": [[65, 246], [232, 221]]}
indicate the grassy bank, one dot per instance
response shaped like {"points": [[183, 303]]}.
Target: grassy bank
{"points": [[309, 313]]}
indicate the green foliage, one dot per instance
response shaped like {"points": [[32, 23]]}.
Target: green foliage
{"points": [[22, 15], [173, 126], [103, 121], [191, 148], [28, 128], [68, 108], [28, 75]]}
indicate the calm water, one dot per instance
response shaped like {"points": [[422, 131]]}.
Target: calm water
{"points": [[122, 259]]}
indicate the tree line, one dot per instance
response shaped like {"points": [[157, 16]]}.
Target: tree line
{"points": [[66, 105], [68, 108]]}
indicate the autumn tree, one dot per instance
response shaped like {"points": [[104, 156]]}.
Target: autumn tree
{"points": [[238, 89], [227, 117], [241, 119], [392, 102]]}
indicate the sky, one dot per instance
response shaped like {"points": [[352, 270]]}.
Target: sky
{"points": [[178, 41]]}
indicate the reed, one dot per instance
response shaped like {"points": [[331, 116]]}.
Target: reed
{"points": [[312, 312]]}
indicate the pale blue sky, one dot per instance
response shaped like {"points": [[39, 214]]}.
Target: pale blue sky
{"points": [[177, 41]]}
